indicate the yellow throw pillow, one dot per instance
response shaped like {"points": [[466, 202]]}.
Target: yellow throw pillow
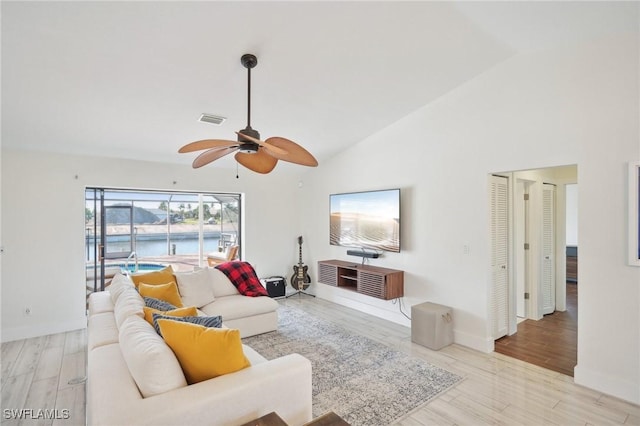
{"points": [[167, 292], [162, 276], [204, 353], [189, 311]]}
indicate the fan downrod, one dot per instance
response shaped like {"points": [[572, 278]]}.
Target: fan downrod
{"points": [[249, 61]]}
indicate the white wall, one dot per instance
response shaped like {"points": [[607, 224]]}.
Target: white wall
{"points": [[43, 228], [572, 214], [547, 108]]}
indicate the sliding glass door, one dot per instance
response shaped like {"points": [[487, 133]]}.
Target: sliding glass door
{"points": [[118, 231], [134, 229]]}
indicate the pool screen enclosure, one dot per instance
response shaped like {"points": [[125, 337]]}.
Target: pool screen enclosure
{"points": [[128, 226]]}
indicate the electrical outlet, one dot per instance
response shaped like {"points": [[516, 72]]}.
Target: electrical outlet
{"points": [[27, 311], [466, 249]]}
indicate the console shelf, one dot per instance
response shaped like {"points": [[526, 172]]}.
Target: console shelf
{"points": [[374, 281]]}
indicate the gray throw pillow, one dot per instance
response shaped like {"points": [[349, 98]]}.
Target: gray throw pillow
{"points": [[158, 304], [215, 322]]}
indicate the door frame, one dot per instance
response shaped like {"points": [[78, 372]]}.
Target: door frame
{"points": [[552, 254], [533, 270]]}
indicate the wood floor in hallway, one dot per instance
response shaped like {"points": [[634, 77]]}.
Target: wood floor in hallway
{"points": [[551, 342]]}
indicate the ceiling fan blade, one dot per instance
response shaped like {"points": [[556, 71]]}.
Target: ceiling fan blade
{"points": [[268, 147], [260, 162], [294, 152], [211, 155], [207, 144], [273, 150]]}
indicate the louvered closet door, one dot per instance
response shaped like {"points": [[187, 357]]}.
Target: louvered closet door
{"points": [[548, 252], [499, 256]]}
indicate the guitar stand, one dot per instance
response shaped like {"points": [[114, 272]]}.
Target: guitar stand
{"points": [[299, 292]]}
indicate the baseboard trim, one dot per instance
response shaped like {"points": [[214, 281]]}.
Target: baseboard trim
{"points": [[26, 332], [478, 343], [613, 386], [331, 295]]}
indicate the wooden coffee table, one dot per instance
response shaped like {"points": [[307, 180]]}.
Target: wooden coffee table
{"points": [[328, 419], [272, 419]]}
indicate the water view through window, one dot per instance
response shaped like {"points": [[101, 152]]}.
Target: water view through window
{"points": [[177, 228]]}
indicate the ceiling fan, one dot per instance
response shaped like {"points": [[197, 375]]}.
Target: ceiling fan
{"points": [[254, 154]]}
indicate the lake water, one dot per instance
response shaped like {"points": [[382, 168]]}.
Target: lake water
{"points": [[159, 247]]}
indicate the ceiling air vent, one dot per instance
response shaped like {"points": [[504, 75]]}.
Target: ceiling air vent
{"points": [[212, 119]]}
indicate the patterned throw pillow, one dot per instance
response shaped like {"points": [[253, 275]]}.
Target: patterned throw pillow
{"points": [[158, 304], [215, 321], [244, 277]]}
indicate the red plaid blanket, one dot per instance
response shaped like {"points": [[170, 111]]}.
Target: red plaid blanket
{"points": [[244, 277]]}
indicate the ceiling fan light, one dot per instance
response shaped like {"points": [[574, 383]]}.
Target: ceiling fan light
{"points": [[248, 148]]}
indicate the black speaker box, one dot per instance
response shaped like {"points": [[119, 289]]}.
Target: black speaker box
{"points": [[275, 286], [369, 254]]}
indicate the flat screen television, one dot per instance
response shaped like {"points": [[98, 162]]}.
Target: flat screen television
{"points": [[369, 220]]}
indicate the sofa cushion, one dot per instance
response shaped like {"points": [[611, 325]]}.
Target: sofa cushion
{"points": [[99, 302], [158, 304], [103, 330], [167, 292], [221, 284], [178, 312], [204, 353], [253, 356], [239, 306], [200, 320], [244, 278], [195, 287], [162, 276], [129, 303], [119, 283], [151, 362]]}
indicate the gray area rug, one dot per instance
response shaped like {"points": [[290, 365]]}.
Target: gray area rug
{"points": [[363, 381]]}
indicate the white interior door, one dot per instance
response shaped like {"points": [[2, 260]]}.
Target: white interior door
{"points": [[548, 281], [520, 235], [499, 191]]}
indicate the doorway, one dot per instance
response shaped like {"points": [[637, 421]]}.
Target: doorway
{"points": [[537, 297]]}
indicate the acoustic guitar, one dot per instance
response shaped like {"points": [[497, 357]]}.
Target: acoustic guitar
{"points": [[300, 279]]}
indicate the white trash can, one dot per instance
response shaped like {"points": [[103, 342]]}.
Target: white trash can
{"points": [[431, 325]]}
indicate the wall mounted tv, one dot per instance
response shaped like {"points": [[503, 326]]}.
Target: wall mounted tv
{"points": [[369, 220]]}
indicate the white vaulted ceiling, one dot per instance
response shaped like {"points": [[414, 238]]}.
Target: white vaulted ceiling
{"points": [[130, 79]]}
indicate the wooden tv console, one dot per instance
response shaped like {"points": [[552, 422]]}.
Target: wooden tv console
{"points": [[383, 283]]}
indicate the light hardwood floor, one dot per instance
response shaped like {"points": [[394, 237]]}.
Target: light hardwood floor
{"points": [[41, 374], [496, 389]]}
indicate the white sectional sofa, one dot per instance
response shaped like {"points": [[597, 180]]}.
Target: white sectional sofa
{"points": [[134, 377]]}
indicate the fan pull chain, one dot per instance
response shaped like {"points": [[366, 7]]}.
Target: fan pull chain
{"points": [[236, 170]]}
